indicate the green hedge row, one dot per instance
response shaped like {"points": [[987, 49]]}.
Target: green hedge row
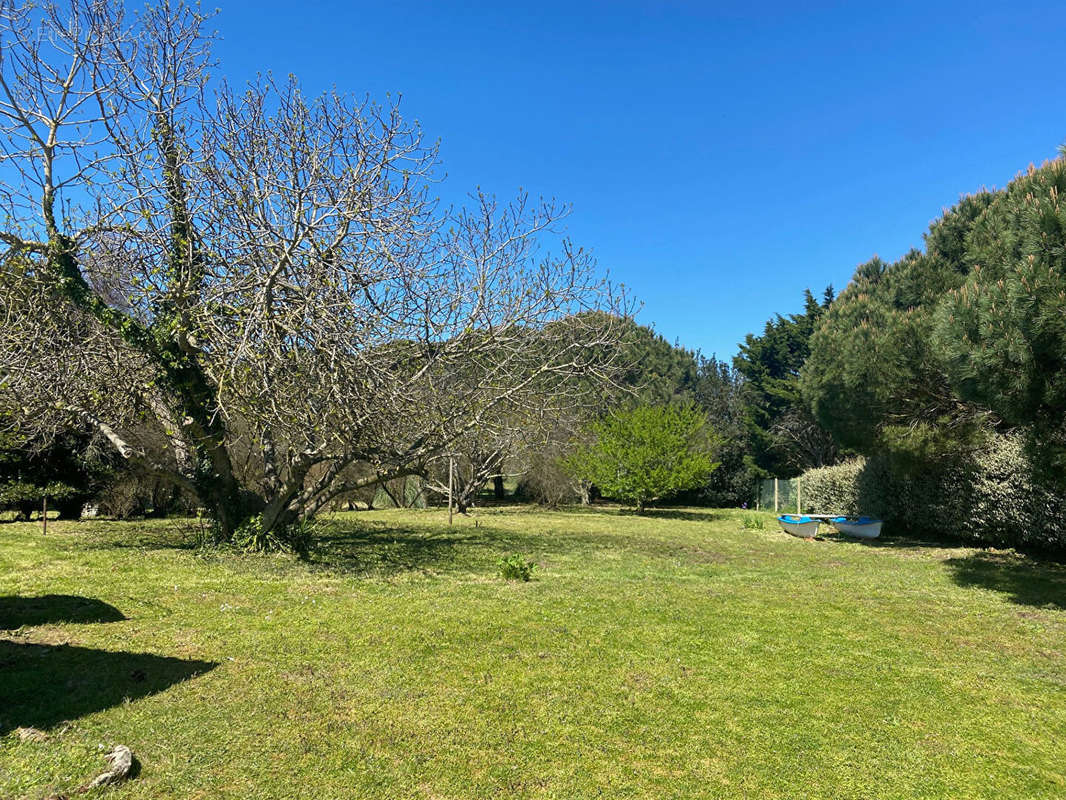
{"points": [[991, 497]]}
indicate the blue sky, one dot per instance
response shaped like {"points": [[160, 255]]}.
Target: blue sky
{"points": [[720, 157]]}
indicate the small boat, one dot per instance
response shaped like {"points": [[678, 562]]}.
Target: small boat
{"points": [[859, 527], [803, 527]]}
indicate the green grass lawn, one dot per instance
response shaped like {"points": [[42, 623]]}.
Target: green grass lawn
{"points": [[676, 655]]}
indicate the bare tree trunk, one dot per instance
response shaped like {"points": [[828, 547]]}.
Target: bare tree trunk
{"points": [[397, 502], [586, 493]]}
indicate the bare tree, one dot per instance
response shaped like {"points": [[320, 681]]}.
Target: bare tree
{"points": [[254, 291], [802, 442], [498, 448]]}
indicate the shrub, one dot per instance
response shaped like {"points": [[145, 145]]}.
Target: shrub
{"points": [[516, 568], [124, 499], [833, 489], [296, 538], [25, 498], [134, 493]]}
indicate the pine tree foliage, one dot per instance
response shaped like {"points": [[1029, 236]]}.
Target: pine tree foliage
{"points": [[655, 370], [1002, 333], [928, 357]]}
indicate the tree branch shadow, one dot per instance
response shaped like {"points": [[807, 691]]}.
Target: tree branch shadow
{"points": [[389, 551], [1027, 581], [50, 609], [652, 513], [44, 685]]}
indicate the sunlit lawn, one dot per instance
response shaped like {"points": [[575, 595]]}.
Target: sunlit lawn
{"points": [[672, 655]]}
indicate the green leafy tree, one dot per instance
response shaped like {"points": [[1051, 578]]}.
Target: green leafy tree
{"points": [[649, 370], [648, 453], [657, 373], [66, 470]]}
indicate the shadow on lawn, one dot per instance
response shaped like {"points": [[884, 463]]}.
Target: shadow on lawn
{"points": [[365, 545], [54, 608], [1027, 581], [384, 549], [905, 542], [44, 685], [393, 550], [166, 534], [671, 513]]}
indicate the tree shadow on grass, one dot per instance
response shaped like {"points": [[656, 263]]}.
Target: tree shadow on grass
{"points": [[55, 608], [170, 534], [671, 513], [904, 542], [384, 549], [387, 551], [1034, 556], [369, 546], [44, 685], [1027, 581]]}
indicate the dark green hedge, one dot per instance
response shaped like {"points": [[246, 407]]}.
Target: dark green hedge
{"points": [[989, 497]]}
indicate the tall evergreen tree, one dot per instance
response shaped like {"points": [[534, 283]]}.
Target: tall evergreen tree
{"points": [[719, 392], [784, 437], [656, 371], [926, 358], [1001, 334]]}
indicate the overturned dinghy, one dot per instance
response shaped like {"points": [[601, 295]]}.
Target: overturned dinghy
{"points": [[803, 527], [859, 527]]}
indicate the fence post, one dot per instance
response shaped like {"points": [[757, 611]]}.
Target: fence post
{"points": [[758, 495], [799, 496], [775, 495], [451, 465], [44, 515]]}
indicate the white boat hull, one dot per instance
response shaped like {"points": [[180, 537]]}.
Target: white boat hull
{"points": [[804, 530], [860, 530]]}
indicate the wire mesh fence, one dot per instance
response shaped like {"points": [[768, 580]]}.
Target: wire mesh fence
{"points": [[779, 494], [409, 492]]}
